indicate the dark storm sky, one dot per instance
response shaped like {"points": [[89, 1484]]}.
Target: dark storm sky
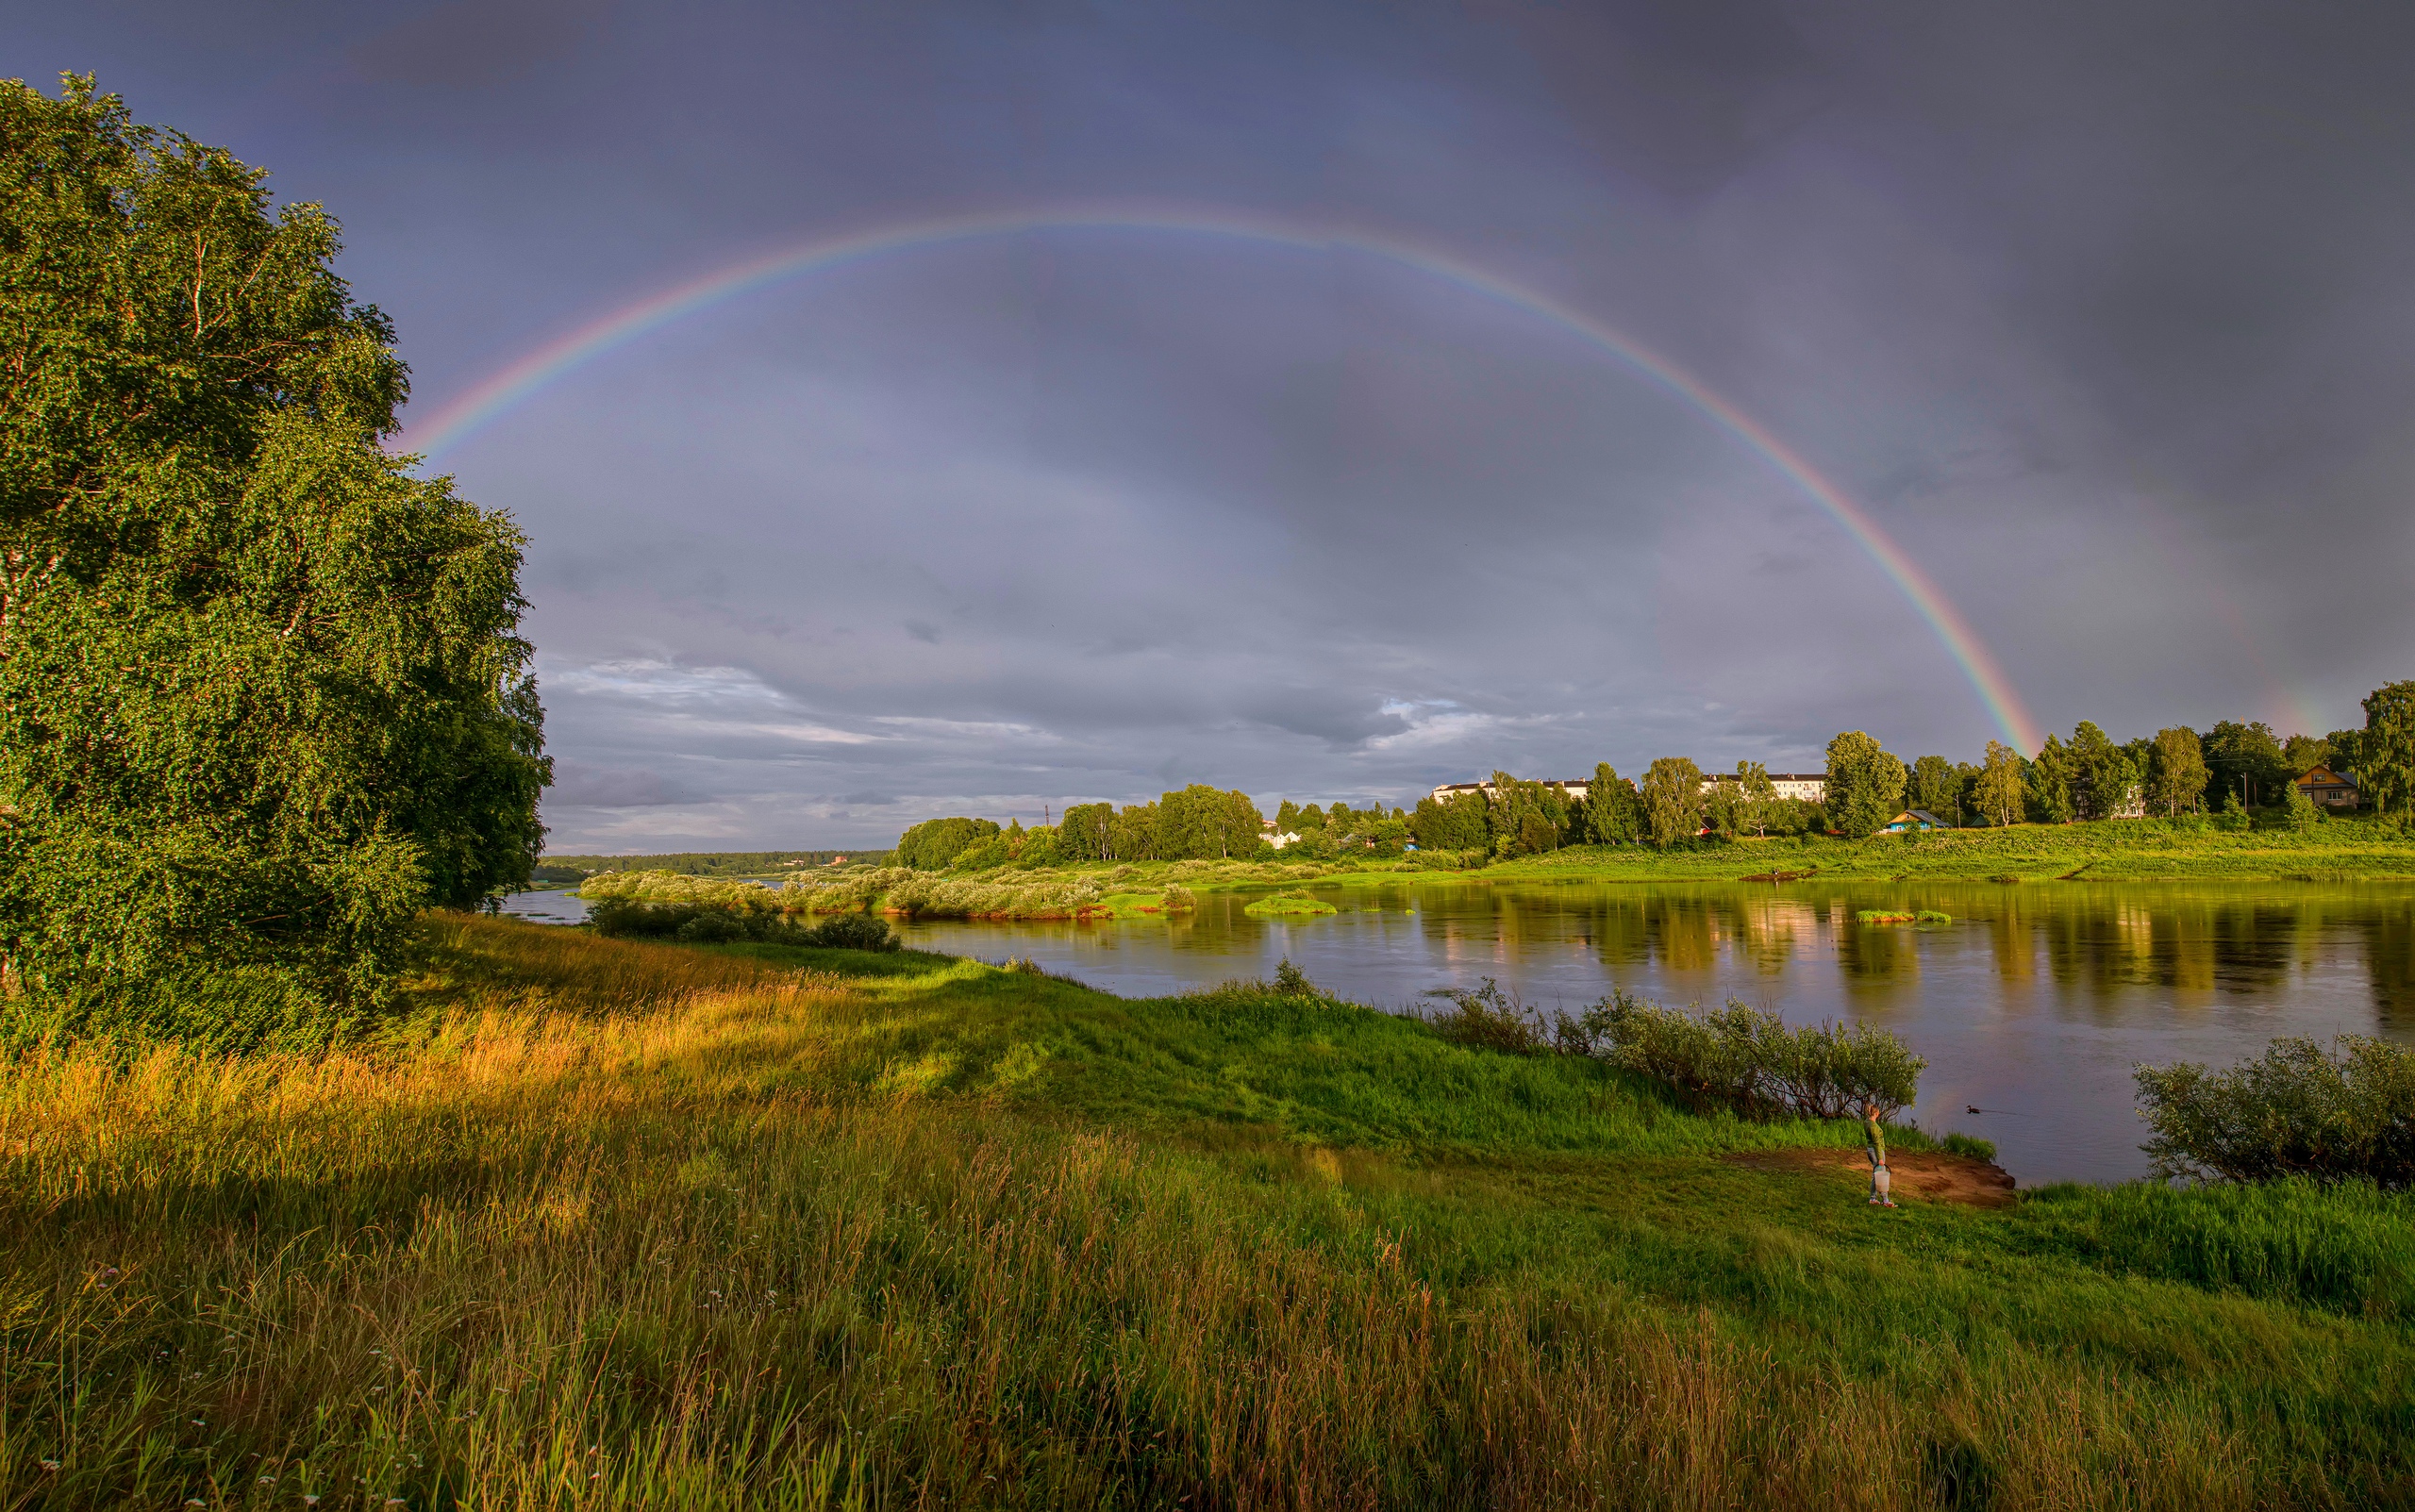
{"points": [[2105, 313]]}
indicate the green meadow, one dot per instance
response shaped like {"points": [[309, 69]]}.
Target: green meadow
{"points": [[616, 1223], [2336, 850], [2110, 850]]}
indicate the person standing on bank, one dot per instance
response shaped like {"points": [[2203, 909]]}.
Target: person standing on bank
{"points": [[1881, 1181]]}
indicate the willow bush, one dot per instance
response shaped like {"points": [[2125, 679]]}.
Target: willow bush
{"points": [[2299, 1109]]}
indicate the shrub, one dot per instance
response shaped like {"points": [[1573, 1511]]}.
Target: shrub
{"points": [[929, 897], [1293, 982], [2299, 811], [636, 918], [724, 923], [841, 895], [1968, 1144], [853, 931], [1179, 899], [677, 887], [1751, 1060], [1491, 1019], [2297, 1110], [711, 927]]}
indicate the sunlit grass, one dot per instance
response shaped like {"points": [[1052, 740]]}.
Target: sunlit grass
{"points": [[610, 1224]]}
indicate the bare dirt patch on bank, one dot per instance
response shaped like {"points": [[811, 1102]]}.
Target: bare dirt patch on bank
{"points": [[1927, 1173]]}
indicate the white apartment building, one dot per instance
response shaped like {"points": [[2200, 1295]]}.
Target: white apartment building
{"points": [[1810, 787], [1451, 790]]}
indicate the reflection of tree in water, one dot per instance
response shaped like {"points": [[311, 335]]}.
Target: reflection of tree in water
{"points": [[1679, 931], [1876, 959], [1621, 934], [1767, 929], [2389, 930], [2012, 934], [2103, 940], [2100, 942]]}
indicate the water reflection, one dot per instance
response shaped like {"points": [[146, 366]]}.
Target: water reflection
{"points": [[2037, 999]]}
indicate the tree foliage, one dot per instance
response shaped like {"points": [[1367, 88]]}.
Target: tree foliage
{"points": [[1673, 800], [2049, 783], [1758, 802], [2302, 754], [1613, 810], [1086, 832], [1865, 784], [1937, 788], [1999, 791], [2177, 776], [935, 843], [1455, 822], [2246, 762], [1525, 818], [261, 691], [1202, 822], [2385, 758], [2102, 776]]}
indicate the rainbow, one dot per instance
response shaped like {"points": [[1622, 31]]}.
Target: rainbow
{"points": [[475, 408]]}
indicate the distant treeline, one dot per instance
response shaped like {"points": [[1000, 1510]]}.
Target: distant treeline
{"points": [[701, 863], [1199, 823], [2227, 770]]}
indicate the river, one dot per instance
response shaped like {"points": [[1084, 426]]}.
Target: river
{"points": [[2033, 1005]]}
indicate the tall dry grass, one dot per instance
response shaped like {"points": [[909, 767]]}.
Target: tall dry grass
{"points": [[563, 1249]]}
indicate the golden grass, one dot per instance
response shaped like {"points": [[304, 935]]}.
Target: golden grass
{"points": [[596, 1234]]}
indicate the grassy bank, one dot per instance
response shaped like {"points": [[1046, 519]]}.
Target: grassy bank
{"points": [[2339, 850], [609, 1223], [2118, 850]]}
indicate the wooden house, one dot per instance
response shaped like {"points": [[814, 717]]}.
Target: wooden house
{"points": [[1913, 818], [2329, 789]]}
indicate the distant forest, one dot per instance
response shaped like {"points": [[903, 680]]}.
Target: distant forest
{"points": [[2225, 774], [557, 869]]}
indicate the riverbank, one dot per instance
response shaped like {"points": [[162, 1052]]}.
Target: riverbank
{"points": [[751, 1225], [2340, 850]]}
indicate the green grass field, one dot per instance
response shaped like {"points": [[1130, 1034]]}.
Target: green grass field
{"points": [[604, 1224], [2118, 850], [2339, 850]]}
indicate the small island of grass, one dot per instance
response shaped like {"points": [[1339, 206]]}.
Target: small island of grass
{"points": [[1284, 904]]}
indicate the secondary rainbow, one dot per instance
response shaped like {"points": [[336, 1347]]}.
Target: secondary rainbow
{"points": [[475, 408]]}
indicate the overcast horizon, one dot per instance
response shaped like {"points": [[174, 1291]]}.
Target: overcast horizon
{"points": [[1270, 433]]}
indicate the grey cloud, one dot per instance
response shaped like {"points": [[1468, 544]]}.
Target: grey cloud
{"points": [[473, 43], [2098, 310], [579, 785]]}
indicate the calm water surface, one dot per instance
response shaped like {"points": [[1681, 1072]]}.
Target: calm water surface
{"points": [[2033, 1005]]}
